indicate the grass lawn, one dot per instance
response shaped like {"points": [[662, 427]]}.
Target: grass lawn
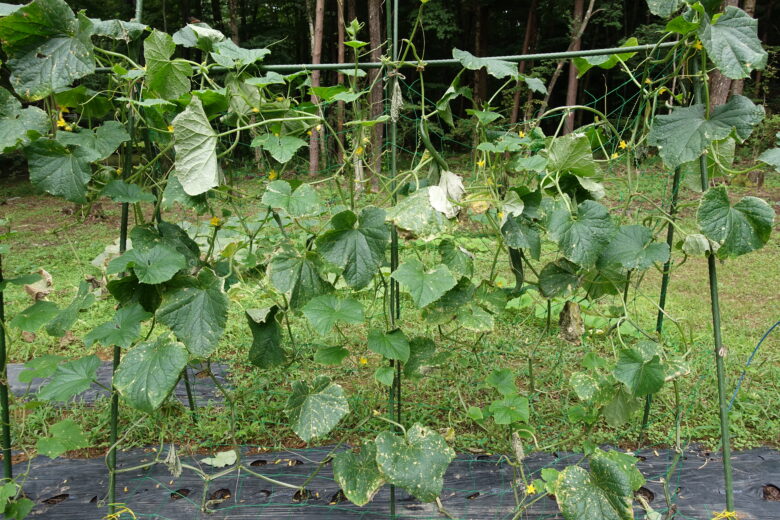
{"points": [[53, 235]]}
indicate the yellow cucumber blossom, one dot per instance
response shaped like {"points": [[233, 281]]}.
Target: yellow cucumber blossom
{"points": [[623, 145], [255, 110], [698, 46], [170, 128], [520, 134], [648, 81], [280, 98], [318, 128], [308, 132], [531, 490], [363, 361], [481, 163], [615, 155], [272, 175], [359, 150], [215, 222]]}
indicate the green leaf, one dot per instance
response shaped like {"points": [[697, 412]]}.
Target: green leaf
{"points": [[620, 408], [169, 78], [572, 154], [392, 345], [152, 266], [228, 54], [642, 376], [513, 408], [281, 147], [58, 169], [459, 260], [17, 123], [520, 233], [385, 375], [65, 436], [535, 85], [683, 135], [117, 29], [266, 350], [425, 286], [497, 68], [415, 462], [34, 316], [585, 385], [332, 355], [195, 309], [19, 280], [71, 379], [604, 61], [195, 143], [421, 350], [19, 509], [122, 330], [169, 235], [558, 278], [633, 248], [771, 157], [98, 144], [604, 493], [198, 36], [302, 202], [356, 245], [739, 229], [582, 237], [297, 275], [317, 408], [67, 316], [149, 372], [48, 47], [357, 474], [120, 191], [325, 311], [502, 380], [40, 367], [628, 464], [732, 43], [221, 459], [417, 215], [664, 8]]}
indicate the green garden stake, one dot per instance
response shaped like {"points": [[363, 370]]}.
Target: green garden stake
{"points": [[667, 272], [712, 267], [6, 415]]}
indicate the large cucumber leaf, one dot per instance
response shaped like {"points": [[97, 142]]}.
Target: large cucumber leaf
{"points": [[317, 408], [195, 143]]}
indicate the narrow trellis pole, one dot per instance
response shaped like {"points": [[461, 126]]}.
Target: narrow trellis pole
{"points": [[127, 166], [712, 268], [6, 413], [667, 272], [395, 296]]}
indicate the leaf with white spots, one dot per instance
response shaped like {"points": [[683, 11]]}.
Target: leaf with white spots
{"points": [[317, 408], [358, 474], [149, 372], [603, 493], [415, 462]]}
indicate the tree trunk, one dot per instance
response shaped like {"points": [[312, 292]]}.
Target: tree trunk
{"points": [[351, 10], [234, 13], [340, 107], [576, 44], [528, 38], [216, 13], [316, 56], [480, 48], [738, 85], [720, 85], [375, 97], [577, 35]]}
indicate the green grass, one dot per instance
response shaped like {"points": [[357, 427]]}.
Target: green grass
{"points": [[58, 241]]}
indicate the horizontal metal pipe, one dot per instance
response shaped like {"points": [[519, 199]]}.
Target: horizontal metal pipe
{"points": [[451, 61]]}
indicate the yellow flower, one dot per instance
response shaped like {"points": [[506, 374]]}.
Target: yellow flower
{"points": [[170, 128], [255, 110], [698, 46], [318, 127], [119, 171], [363, 361], [359, 150], [366, 140], [61, 123], [63, 110], [276, 134], [623, 145], [500, 215], [490, 180], [521, 134], [530, 490], [481, 163], [615, 155], [423, 2], [280, 98], [272, 175], [215, 222], [648, 81], [68, 128], [308, 132]]}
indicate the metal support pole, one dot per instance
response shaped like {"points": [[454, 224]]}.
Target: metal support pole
{"points": [[720, 352], [659, 323], [6, 413]]}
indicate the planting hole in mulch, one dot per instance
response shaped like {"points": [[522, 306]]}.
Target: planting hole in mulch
{"points": [[258, 462], [646, 494], [56, 499], [302, 495], [338, 498], [771, 493], [473, 496], [180, 493], [220, 495]]}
